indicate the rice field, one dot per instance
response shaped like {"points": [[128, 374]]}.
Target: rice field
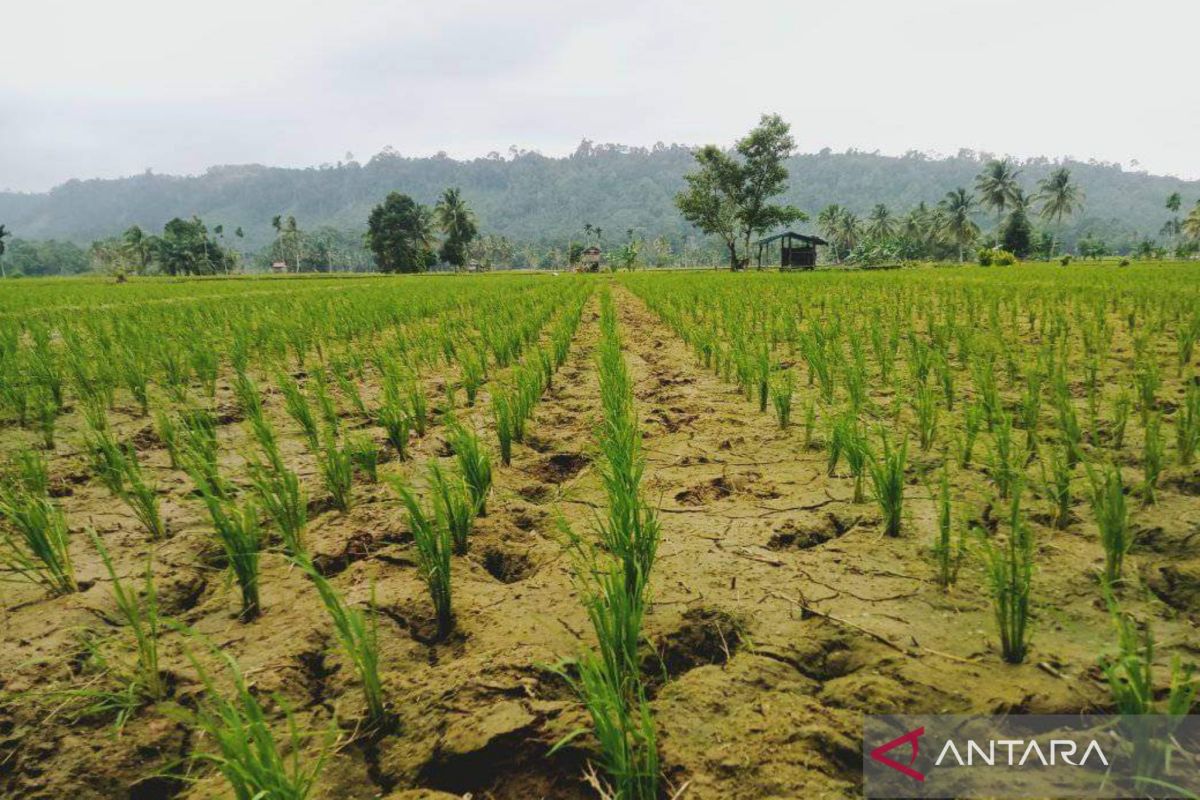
{"points": [[641, 536]]}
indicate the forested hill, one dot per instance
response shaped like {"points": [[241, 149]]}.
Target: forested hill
{"points": [[535, 199]]}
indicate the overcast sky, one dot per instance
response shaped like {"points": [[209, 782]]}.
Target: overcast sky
{"points": [[104, 89]]}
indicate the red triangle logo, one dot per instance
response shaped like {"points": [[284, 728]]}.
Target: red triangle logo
{"points": [[911, 738]]}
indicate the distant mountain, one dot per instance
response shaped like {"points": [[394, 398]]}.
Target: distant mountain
{"points": [[531, 198]]}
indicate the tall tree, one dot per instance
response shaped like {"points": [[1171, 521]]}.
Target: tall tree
{"points": [[1060, 198], [848, 230], [957, 207], [4, 234], [829, 224], [997, 186], [880, 223], [1191, 225], [399, 233], [731, 194], [1173, 227], [186, 249], [1017, 234], [710, 200], [457, 222], [139, 247]]}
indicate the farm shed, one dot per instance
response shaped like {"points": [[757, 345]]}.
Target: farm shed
{"points": [[589, 259], [796, 250]]}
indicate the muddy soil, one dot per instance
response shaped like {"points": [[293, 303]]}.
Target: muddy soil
{"points": [[781, 613]]}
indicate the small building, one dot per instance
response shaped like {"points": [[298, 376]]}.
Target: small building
{"points": [[589, 259], [278, 267], [796, 250]]}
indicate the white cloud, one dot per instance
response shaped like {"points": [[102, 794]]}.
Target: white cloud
{"points": [[104, 89]]}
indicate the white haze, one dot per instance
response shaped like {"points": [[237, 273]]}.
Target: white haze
{"points": [[110, 89]]}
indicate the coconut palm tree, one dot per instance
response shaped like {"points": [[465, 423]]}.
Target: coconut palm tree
{"points": [[457, 222], [827, 224], [1191, 225], [4, 234], [849, 231], [957, 207], [139, 247], [880, 223], [1060, 198], [997, 186]]}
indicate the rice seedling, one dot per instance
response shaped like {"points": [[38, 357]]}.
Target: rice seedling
{"points": [[925, 405], [245, 750], [1122, 404], [1008, 568], [1147, 381], [394, 418], [299, 410], [624, 731], [973, 419], [505, 416], [45, 413], [337, 473], [858, 455], [167, 431], [325, 404], [1153, 458], [762, 374], [781, 397], [473, 370], [240, 536], [1187, 426], [350, 389], [453, 507], [358, 634], [474, 463], [417, 407], [198, 451], [1112, 518], [364, 455], [887, 476], [38, 546], [1147, 723], [279, 493], [1004, 468], [810, 423], [947, 552], [630, 530], [434, 544], [29, 473], [139, 611], [141, 496], [1058, 487]]}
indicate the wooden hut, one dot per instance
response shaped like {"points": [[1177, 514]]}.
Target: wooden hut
{"points": [[796, 250], [589, 259]]}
